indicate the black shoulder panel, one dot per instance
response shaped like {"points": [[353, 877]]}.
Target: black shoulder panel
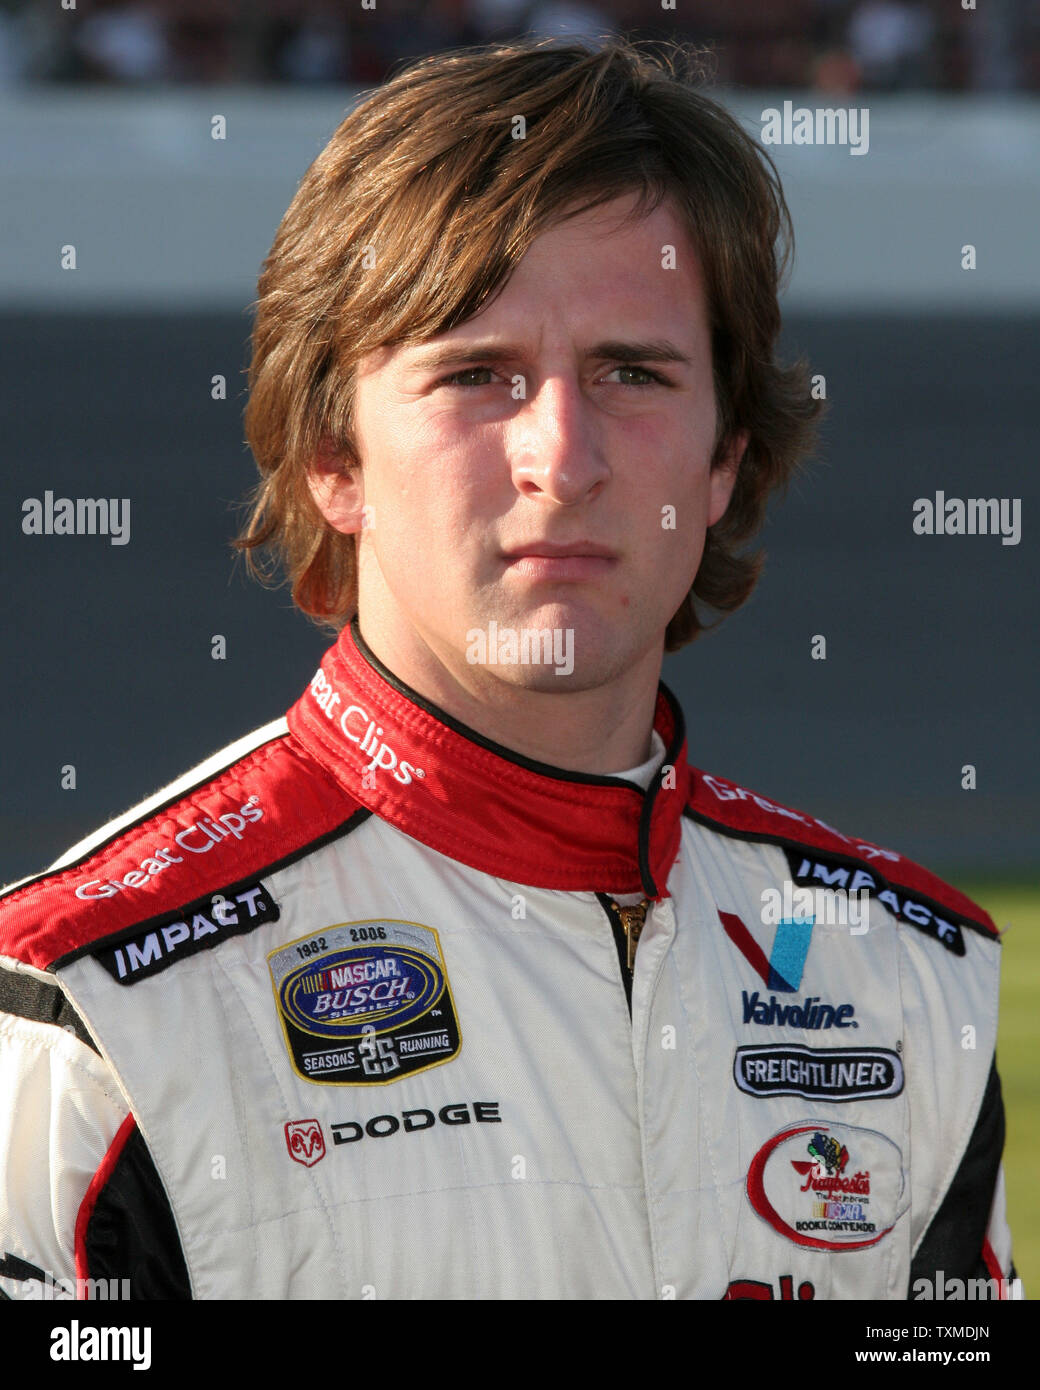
{"points": [[25, 996], [954, 1240], [132, 1234]]}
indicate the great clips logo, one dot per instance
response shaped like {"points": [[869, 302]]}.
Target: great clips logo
{"points": [[200, 837], [782, 973], [357, 726]]}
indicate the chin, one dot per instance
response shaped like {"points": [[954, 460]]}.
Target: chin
{"points": [[546, 680], [557, 647], [565, 668]]}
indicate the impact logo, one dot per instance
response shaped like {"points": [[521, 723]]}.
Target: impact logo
{"points": [[365, 1003], [782, 972], [198, 927], [305, 1142], [915, 911], [824, 1202]]}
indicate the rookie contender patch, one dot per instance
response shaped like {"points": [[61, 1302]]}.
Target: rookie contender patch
{"points": [[829, 1186], [365, 1003]]}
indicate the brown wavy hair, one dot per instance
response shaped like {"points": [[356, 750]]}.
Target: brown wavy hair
{"points": [[422, 204]]}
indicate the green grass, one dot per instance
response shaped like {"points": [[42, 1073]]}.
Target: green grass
{"points": [[1018, 1060]]}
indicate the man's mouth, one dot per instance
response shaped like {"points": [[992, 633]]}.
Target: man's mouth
{"points": [[560, 560]]}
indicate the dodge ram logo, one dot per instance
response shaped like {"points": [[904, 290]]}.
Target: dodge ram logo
{"points": [[305, 1141]]}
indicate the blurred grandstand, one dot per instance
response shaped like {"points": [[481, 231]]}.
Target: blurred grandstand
{"points": [[833, 46]]}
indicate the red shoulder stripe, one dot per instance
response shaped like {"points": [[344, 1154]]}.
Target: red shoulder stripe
{"points": [[239, 824], [989, 1259], [93, 1192], [734, 810]]}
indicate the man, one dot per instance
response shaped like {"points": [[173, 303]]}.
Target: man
{"points": [[460, 981]]}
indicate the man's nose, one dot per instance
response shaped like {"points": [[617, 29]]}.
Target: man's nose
{"points": [[555, 444]]}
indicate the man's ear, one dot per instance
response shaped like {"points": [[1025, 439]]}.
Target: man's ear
{"points": [[337, 486], [724, 476]]}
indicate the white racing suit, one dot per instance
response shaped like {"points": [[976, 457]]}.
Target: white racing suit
{"points": [[352, 1011]]}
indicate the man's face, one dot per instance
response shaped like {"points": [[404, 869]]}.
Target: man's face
{"points": [[555, 473]]}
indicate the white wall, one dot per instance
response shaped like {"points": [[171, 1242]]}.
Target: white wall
{"points": [[161, 214]]}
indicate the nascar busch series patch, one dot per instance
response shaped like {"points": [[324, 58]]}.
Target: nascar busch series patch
{"points": [[829, 1186], [365, 1003], [818, 1073]]}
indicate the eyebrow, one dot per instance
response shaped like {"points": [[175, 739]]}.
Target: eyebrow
{"points": [[614, 350]]}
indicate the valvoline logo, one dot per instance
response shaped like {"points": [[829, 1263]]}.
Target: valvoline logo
{"points": [[341, 994], [783, 969]]}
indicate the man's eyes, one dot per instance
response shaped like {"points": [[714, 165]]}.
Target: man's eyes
{"points": [[655, 377], [456, 377]]}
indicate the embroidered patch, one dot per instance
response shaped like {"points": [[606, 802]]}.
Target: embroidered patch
{"points": [[305, 1141], [815, 868], [199, 927], [783, 970], [818, 1073], [365, 1003], [828, 1186]]}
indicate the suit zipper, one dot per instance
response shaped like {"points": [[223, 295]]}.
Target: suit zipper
{"points": [[627, 925]]}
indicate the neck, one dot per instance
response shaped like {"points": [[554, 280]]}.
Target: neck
{"points": [[602, 730]]}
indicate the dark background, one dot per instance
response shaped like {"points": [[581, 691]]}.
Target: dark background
{"points": [[931, 641]]}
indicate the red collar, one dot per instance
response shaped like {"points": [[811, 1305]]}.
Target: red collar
{"points": [[483, 805]]}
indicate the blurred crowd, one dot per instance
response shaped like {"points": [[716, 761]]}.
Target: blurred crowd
{"points": [[831, 45]]}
